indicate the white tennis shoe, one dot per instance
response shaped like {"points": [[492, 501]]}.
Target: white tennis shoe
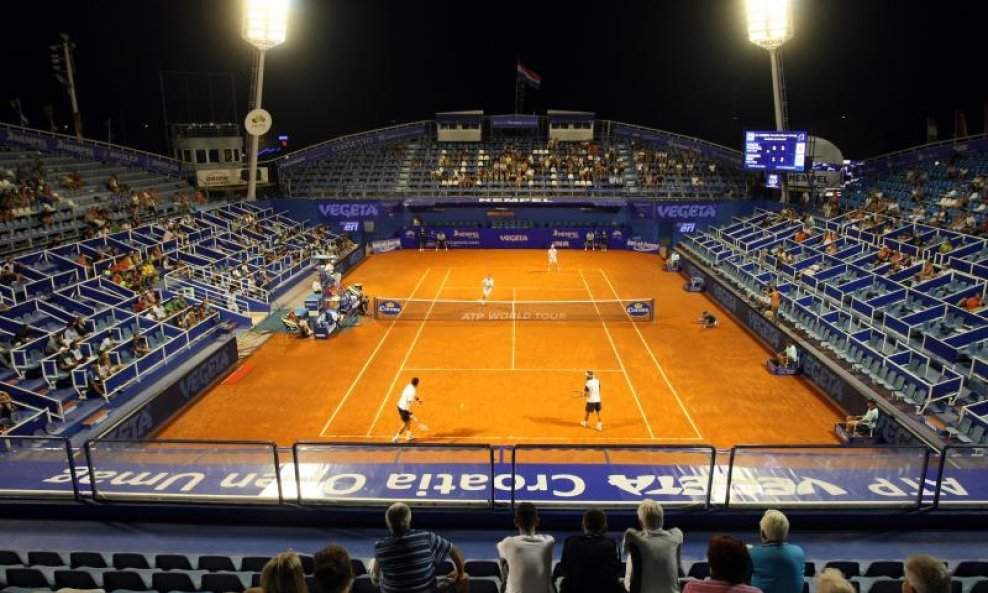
{"points": [[583, 423], [600, 427]]}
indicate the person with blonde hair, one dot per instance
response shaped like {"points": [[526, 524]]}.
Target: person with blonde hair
{"points": [[653, 552], [832, 580], [778, 565], [283, 574]]}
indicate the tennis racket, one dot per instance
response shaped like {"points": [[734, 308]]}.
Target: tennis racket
{"points": [[577, 394]]}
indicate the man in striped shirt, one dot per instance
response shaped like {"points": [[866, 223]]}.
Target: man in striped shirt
{"points": [[405, 561]]}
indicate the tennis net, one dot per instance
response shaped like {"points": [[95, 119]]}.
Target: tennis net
{"points": [[638, 310]]}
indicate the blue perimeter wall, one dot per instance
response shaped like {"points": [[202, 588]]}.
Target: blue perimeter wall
{"points": [[390, 216]]}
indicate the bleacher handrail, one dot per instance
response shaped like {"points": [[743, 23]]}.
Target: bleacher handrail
{"points": [[70, 145]]}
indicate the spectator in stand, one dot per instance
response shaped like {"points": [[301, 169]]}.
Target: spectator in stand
{"points": [[22, 336], [526, 559], [139, 345], [778, 565], [832, 580], [282, 574], [6, 411], [730, 568], [590, 562], [653, 553], [971, 303], [333, 570], [925, 574], [405, 561]]}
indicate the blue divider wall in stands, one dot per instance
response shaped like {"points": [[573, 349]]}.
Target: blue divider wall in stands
{"points": [[154, 413], [836, 386]]}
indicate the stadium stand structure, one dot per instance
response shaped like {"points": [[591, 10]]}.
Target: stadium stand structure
{"points": [[901, 302], [218, 265], [49, 198], [23, 571], [621, 161]]}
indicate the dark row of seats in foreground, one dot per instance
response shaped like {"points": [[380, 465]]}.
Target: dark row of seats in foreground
{"points": [[165, 573]]}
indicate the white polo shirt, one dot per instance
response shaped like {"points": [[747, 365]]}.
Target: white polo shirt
{"points": [[529, 559], [593, 390], [407, 397]]}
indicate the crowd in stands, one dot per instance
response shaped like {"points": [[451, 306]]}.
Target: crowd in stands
{"points": [[409, 560], [656, 165], [514, 165]]}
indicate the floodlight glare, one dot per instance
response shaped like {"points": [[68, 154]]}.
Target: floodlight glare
{"points": [[265, 23], [769, 22]]}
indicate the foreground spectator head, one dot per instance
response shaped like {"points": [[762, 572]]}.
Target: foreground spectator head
{"points": [[774, 526], [925, 574], [526, 517], [650, 515], [594, 522], [832, 580], [283, 574], [333, 570], [729, 559], [399, 518]]}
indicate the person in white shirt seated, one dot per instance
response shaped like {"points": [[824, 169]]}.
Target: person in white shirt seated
{"points": [[864, 423], [526, 558], [673, 259]]}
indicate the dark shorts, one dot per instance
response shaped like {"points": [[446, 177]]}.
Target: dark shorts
{"points": [[406, 415], [593, 407]]}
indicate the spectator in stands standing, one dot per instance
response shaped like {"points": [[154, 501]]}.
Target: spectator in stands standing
{"points": [[653, 553], [775, 300], [405, 561], [832, 580], [778, 565], [925, 574], [730, 568], [333, 571], [526, 559], [590, 561]]}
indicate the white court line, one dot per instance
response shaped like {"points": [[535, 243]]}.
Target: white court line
{"points": [[408, 353], [514, 326], [514, 370], [367, 363], [618, 356], [543, 288], [655, 360]]}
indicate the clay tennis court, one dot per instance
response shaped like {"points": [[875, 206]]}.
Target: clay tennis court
{"points": [[509, 381]]}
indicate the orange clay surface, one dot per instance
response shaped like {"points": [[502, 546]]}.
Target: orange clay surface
{"points": [[504, 382]]}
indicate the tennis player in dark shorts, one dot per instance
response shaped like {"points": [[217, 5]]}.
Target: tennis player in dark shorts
{"points": [[408, 396]]}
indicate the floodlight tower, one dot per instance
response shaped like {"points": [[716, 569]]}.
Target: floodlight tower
{"points": [[265, 25], [770, 26]]}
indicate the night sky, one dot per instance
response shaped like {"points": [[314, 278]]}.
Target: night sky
{"points": [[863, 73]]}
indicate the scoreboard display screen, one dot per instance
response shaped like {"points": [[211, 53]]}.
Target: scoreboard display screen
{"points": [[775, 151]]}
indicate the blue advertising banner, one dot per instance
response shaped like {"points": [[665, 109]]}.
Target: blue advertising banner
{"points": [[548, 483], [90, 150], [676, 212], [157, 411], [484, 238], [357, 210]]}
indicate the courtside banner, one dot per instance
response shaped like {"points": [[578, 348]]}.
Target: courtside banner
{"points": [[484, 238], [385, 246], [643, 246], [552, 484]]}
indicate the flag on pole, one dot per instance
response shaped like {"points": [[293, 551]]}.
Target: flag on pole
{"points": [[932, 133], [529, 76]]}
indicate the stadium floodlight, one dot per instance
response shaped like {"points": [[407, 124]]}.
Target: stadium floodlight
{"points": [[769, 22], [770, 26], [265, 25]]}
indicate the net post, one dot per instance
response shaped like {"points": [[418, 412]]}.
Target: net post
{"points": [[651, 308], [375, 309]]}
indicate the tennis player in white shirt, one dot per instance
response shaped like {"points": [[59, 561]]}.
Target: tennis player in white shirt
{"points": [[488, 285], [409, 395], [592, 392], [553, 257]]}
